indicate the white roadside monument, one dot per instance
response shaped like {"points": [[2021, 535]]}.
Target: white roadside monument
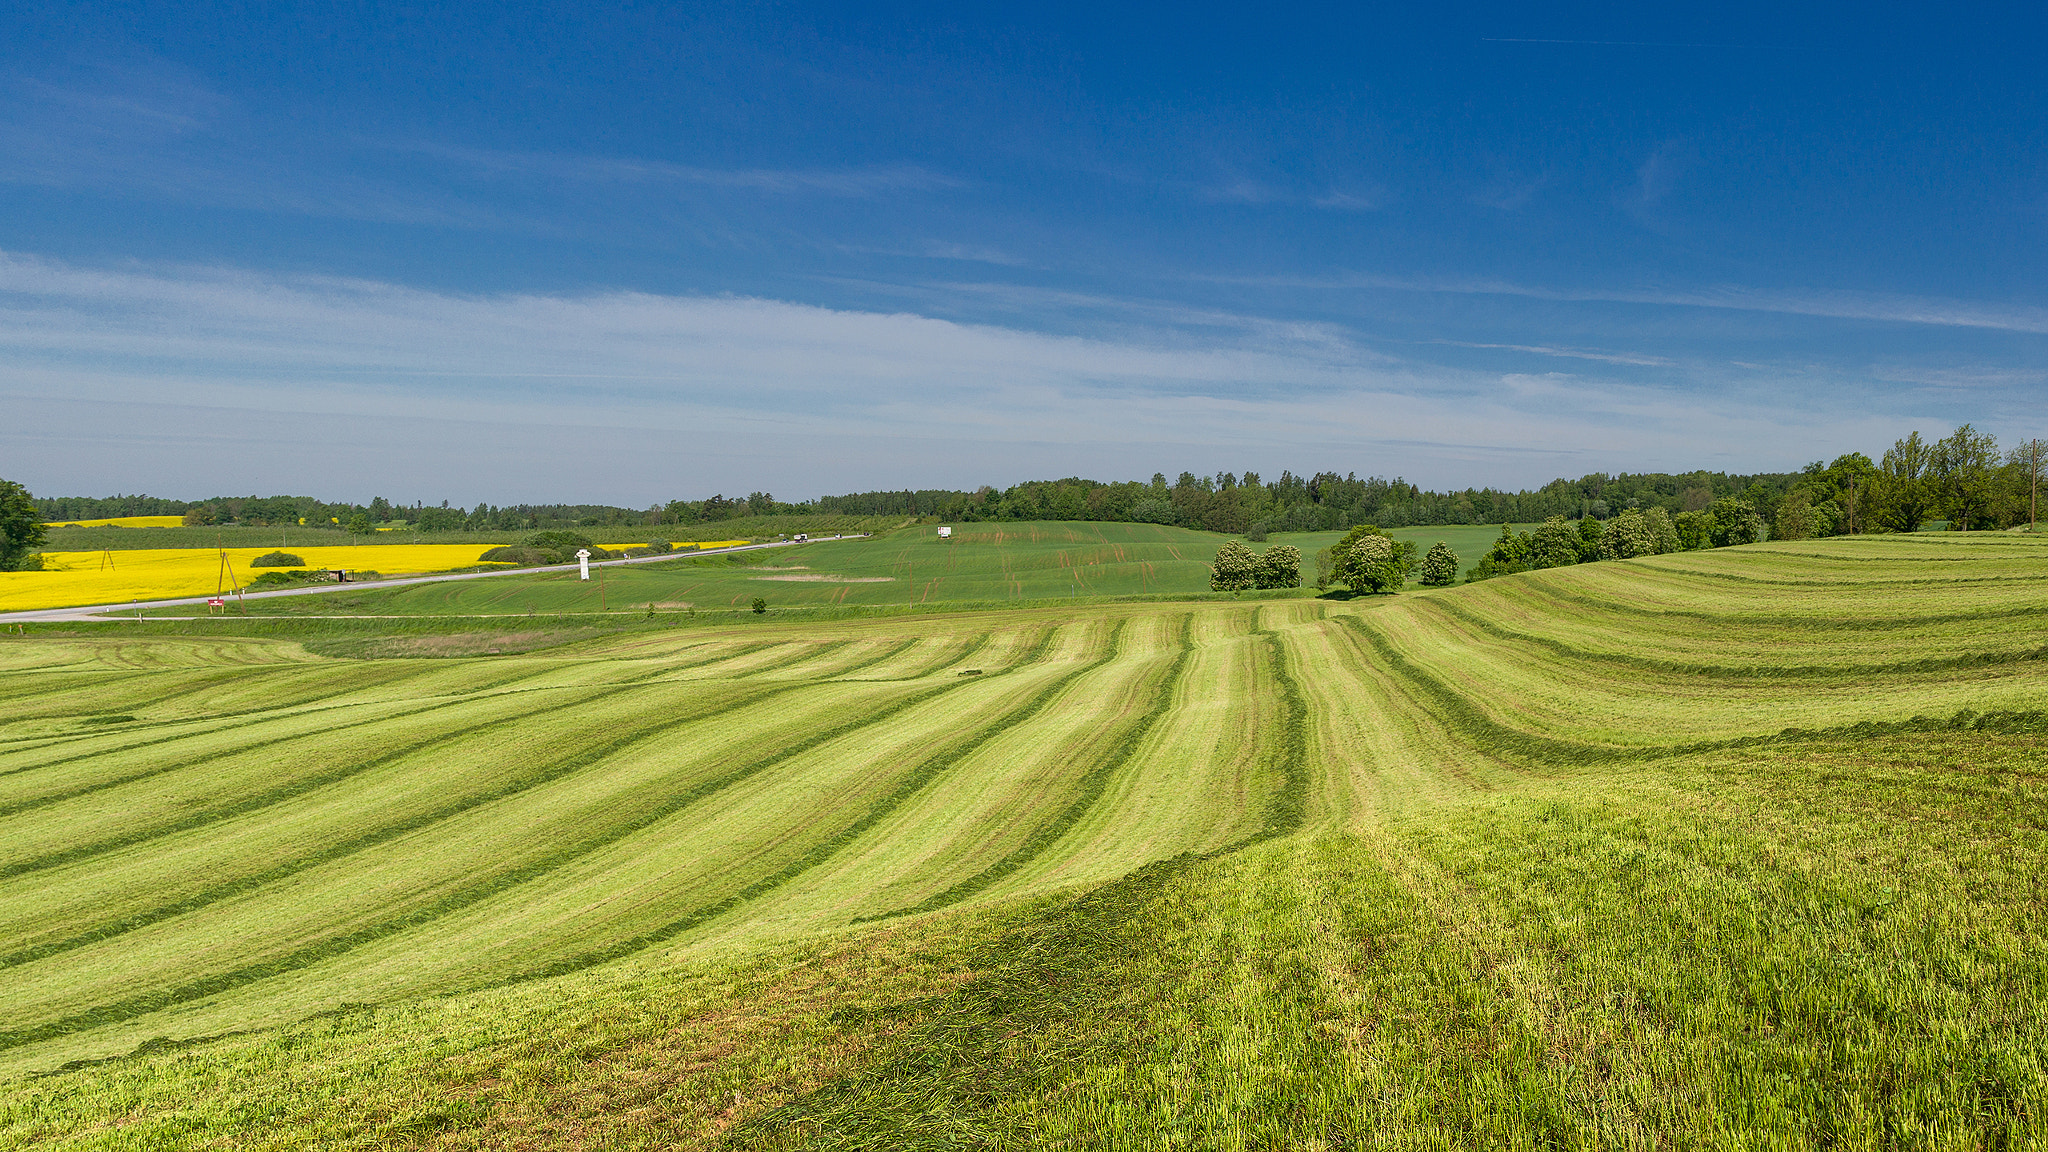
{"points": [[583, 562]]}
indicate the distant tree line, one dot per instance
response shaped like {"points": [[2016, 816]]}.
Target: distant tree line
{"points": [[1963, 479]]}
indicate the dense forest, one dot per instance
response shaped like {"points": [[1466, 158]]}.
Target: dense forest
{"points": [[1963, 478]]}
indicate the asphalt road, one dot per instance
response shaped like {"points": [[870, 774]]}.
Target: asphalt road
{"points": [[104, 611]]}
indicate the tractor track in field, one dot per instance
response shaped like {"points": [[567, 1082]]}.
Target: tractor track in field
{"points": [[928, 770], [301, 707], [465, 896], [547, 773], [495, 690], [259, 716], [1088, 789], [1682, 669]]}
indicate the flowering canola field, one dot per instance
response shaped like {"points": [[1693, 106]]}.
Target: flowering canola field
{"points": [[167, 573], [121, 522]]}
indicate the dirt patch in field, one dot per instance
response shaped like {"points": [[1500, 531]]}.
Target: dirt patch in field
{"points": [[821, 578]]}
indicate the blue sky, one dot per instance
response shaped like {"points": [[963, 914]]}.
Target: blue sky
{"points": [[508, 252]]}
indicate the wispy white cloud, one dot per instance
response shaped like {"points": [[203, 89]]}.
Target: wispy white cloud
{"points": [[1245, 190], [1841, 305], [1346, 201], [1637, 360], [863, 180], [804, 398]]}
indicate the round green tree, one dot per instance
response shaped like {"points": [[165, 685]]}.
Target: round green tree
{"points": [[1440, 566], [1280, 567], [1368, 560], [21, 527], [1236, 569], [1626, 537]]}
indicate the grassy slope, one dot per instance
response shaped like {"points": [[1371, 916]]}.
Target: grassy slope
{"points": [[982, 565], [1540, 880]]}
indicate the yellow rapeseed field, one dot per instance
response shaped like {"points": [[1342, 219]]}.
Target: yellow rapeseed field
{"points": [[121, 522], [167, 573]]}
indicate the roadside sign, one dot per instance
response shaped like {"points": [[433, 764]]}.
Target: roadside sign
{"points": [[216, 602]]}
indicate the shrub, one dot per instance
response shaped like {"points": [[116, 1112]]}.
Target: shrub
{"points": [[518, 554], [1280, 567], [1235, 570], [1257, 533], [278, 560], [1440, 566], [760, 605], [276, 579]]}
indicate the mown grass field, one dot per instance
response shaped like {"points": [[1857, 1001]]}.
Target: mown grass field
{"points": [[1732, 849], [982, 565]]}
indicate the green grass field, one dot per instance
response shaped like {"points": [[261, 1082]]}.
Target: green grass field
{"points": [[982, 565], [1728, 849]]}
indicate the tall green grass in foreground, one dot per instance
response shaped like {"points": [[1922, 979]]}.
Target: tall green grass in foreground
{"points": [[1732, 850]]}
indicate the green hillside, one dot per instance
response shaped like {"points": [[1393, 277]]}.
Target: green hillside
{"points": [[1736, 848], [981, 565]]}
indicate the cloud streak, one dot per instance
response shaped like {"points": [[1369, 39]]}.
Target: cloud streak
{"points": [[1837, 305], [753, 392]]}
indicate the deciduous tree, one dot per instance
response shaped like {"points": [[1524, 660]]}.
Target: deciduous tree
{"points": [[1368, 560], [1795, 518], [1899, 498], [1236, 569], [1962, 475], [21, 527], [1440, 566], [1695, 530], [1280, 567], [1555, 544], [1735, 522], [1663, 534], [1626, 537], [2031, 458]]}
